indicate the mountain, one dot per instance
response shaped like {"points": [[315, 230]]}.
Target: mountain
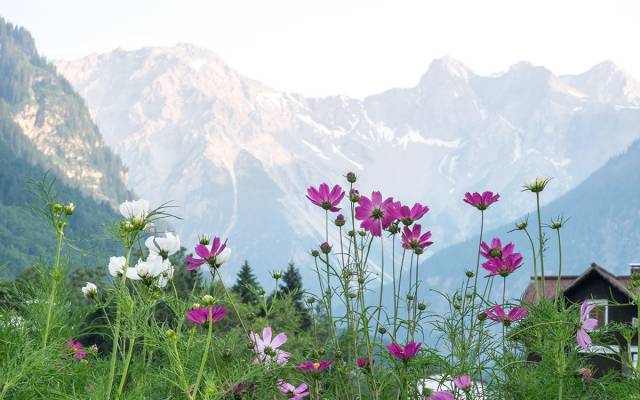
{"points": [[46, 128], [602, 227], [45, 122], [238, 155]]}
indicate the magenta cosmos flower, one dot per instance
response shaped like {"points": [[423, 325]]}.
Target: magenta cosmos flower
{"points": [[410, 215], [413, 239], [76, 349], [409, 350], [375, 213], [364, 363], [314, 366], [586, 325], [515, 314], [463, 382], [200, 315], [481, 201], [215, 256], [503, 266], [327, 200], [294, 392], [441, 396], [496, 249], [266, 347]]}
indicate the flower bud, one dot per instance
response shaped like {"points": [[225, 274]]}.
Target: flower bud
{"points": [[351, 233], [207, 300], [84, 361], [362, 233], [382, 330], [226, 353], [251, 346], [171, 334], [418, 250], [410, 297], [57, 208], [340, 221], [482, 316], [276, 275], [325, 248], [196, 305], [315, 253], [251, 316], [351, 177], [469, 274], [352, 295], [321, 352], [354, 196], [537, 185], [521, 225], [457, 306], [422, 306], [311, 300], [204, 240], [394, 228], [361, 280], [69, 208]]}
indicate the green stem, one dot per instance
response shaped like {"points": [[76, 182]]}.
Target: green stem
{"points": [[396, 297], [329, 293], [54, 287], [559, 268], [116, 331], [381, 286], [415, 302], [205, 355], [233, 304], [183, 377], [541, 241], [123, 379], [536, 284]]}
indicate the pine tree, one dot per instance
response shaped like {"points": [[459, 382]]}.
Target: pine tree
{"points": [[246, 285], [292, 286]]}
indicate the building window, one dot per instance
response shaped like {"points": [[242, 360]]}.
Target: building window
{"points": [[600, 311]]}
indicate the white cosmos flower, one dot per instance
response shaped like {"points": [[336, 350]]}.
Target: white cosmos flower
{"points": [[163, 246], [223, 256], [136, 210], [152, 267], [116, 266], [89, 290]]}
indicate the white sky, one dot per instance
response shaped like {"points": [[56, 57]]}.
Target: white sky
{"points": [[348, 47]]}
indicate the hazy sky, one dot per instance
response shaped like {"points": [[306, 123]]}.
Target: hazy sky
{"points": [[345, 46]]}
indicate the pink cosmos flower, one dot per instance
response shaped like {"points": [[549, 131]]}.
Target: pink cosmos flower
{"points": [[586, 325], [410, 215], [400, 353], [200, 315], [481, 201], [463, 382], [76, 349], [364, 363], [496, 249], [515, 314], [503, 266], [214, 257], [294, 392], [441, 396], [375, 213], [314, 366], [587, 376], [267, 347], [327, 200], [413, 240]]}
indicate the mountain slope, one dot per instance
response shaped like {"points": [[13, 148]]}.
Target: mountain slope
{"points": [[183, 121], [603, 227], [45, 122]]}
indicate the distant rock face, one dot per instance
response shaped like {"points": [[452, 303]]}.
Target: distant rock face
{"points": [[237, 155]]}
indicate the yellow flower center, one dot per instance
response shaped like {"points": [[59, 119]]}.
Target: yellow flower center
{"points": [[316, 365]]}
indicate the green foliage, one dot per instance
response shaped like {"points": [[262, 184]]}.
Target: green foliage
{"points": [[246, 285]]}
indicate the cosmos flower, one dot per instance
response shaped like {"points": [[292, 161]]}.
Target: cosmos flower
{"points": [[76, 349], [267, 347], [481, 201], [163, 246], [495, 249], [152, 267], [537, 185], [515, 314], [364, 363], [137, 213], [587, 376], [413, 239], [293, 392], [444, 395], [314, 366], [327, 200], [200, 315], [116, 266], [586, 325], [375, 213], [503, 266], [463, 382], [214, 257], [90, 290], [410, 215], [400, 353]]}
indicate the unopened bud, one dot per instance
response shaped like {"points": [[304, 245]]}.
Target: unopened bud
{"points": [[351, 177], [311, 300], [422, 306], [482, 316], [362, 233], [340, 221], [354, 196], [226, 353], [204, 240], [469, 274], [352, 295], [276, 274], [315, 253], [69, 208], [325, 248], [382, 330], [171, 334], [394, 228], [207, 300], [410, 297], [361, 280]]}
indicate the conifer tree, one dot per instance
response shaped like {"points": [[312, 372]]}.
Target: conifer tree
{"points": [[246, 285], [292, 286]]}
